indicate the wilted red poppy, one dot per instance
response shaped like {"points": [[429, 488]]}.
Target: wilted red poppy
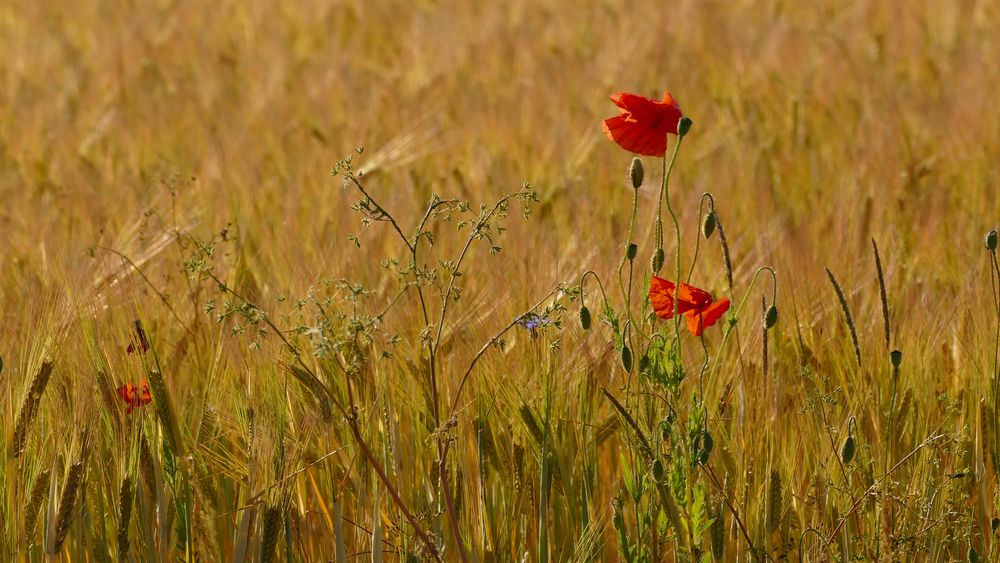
{"points": [[139, 342], [135, 396], [697, 306], [644, 123]]}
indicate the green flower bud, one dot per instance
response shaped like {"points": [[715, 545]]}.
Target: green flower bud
{"points": [[991, 241], [644, 363], [896, 357], [585, 317], [708, 225], [973, 555], [658, 472], [847, 450], [657, 261], [995, 524], [683, 126], [771, 317], [636, 173], [630, 251], [627, 358], [707, 446], [703, 447]]}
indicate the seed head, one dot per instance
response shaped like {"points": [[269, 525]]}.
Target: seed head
{"points": [[636, 173]]}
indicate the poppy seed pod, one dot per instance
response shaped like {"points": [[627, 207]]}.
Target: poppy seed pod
{"points": [[991, 241], [585, 317], [683, 126], [896, 357], [656, 263], [636, 173], [630, 251], [627, 358], [708, 225]]}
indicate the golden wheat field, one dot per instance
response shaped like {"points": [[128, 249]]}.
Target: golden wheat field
{"points": [[381, 281]]}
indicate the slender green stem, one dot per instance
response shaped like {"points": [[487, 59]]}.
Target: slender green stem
{"points": [[697, 238], [739, 310]]}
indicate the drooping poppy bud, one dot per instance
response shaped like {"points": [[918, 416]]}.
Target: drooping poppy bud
{"points": [[771, 317], [626, 358], [708, 225], [585, 317], [658, 473], [847, 450]]}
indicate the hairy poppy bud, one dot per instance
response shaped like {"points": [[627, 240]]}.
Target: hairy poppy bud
{"points": [[703, 445], [847, 450], [683, 126], [771, 317], [896, 357], [644, 363], [630, 251], [585, 317], [995, 524], [991, 240], [658, 472], [635, 172], [626, 358], [708, 225], [657, 261], [618, 519]]}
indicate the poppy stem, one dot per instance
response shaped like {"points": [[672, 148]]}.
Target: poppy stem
{"points": [[668, 167]]}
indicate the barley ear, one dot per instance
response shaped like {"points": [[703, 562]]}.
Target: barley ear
{"points": [[126, 495], [269, 537], [35, 499], [165, 411], [847, 314], [29, 408], [774, 502], [67, 503]]}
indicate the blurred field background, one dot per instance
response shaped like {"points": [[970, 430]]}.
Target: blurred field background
{"points": [[128, 128]]}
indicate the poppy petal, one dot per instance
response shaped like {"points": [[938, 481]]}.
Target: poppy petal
{"points": [[696, 298], [661, 294], [635, 137], [700, 319], [641, 108]]}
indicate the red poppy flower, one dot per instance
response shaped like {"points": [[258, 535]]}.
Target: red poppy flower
{"points": [[135, 396], [699, 309], [139, 342], [644, 123]]}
